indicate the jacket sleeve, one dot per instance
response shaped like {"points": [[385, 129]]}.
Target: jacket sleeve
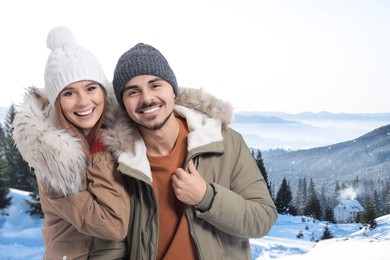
{"points": [[102, 208], [241, 205]]}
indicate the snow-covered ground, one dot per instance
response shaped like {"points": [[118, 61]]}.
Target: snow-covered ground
{"points": [[350, 242], [20, 234], [20, 238]]}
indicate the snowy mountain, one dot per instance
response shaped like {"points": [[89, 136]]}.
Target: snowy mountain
{"points": [[366, 157], [271, 130], [20, 238]]}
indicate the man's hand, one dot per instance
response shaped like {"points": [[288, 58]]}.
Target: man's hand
{"points": [[189, 187]]}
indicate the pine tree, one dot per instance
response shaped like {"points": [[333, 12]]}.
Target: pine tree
{"points": [[21, 176], [329, 215], [327, 234], [377, 204], [301, 195], [298, 198], [336, 194], [283, 201], [34, 203], [304, 191], [325, 201], [356, 183], [3, 161], [260, 164], [272, 190], [5, 199], [17, 171], [386, 199], [370, 213], [313, 206]]}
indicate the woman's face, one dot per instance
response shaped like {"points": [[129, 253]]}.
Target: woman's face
{"points": [[82, 103]]}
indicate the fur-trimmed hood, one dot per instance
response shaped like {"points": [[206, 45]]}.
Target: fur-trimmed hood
{"points": [[57, 157], [205, 116]]}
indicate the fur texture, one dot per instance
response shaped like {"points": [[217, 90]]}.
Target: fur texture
{"points": [[121, 133], [206, 103], [57, 157]]}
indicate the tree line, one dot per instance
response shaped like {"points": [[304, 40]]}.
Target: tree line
{"points": [[309, 201], [14, 171]]}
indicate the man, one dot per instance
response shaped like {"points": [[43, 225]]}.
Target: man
{"points": [[196, 191]]}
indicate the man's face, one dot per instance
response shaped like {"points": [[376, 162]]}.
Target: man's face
{"points": [[149, 101]]}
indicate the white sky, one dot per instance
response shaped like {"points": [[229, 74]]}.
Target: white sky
{"points": [[290, 56]]}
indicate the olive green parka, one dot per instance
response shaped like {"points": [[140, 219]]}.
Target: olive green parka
{"points": [[239, 206]]}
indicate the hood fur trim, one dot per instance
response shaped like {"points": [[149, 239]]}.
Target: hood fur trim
{"points": [[206, 103], [57, 157], [122, 136]]}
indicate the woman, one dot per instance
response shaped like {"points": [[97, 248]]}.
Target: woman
{"points": [[58, 132]]}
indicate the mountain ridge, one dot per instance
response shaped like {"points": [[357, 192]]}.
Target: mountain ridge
{"points": [[272, 130], [366, 157]]}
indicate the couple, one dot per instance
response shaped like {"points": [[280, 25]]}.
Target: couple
{"points": [[155, 174]]}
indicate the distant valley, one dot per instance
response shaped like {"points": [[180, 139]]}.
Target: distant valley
{"points": [[327, 148], [272, 130], [365, 158]]}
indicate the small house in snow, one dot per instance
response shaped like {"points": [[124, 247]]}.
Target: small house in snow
{"points": [[346, 211]]}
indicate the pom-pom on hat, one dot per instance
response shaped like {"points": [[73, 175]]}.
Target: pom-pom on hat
{"points": [[69, 63], [142, 59]]}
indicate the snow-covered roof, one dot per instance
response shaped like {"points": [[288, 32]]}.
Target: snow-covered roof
{"points": [[351, 205]]}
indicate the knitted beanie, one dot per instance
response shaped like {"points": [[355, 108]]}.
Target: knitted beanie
{"points": [[142, 59], [69, 63]]}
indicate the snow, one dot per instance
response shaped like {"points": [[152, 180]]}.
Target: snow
{"points": [[351, 241], [20, 237], [20, 234]]}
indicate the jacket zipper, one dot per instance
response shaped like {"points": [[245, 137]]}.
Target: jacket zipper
{"points": [[150, 254], [188, 208], [153, 199], [193, 233]]}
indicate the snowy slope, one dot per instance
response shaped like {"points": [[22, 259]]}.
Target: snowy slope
{"points": [[351, 241], [20, 234]]}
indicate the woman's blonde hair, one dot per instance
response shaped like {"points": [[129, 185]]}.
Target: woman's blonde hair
{"points": [[76, 131]]}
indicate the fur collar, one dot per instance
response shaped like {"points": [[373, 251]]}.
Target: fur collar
{"points": [[57, 157], [205, 116]]}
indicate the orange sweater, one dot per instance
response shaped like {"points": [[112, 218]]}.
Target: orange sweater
{"points": [[175, 241]]}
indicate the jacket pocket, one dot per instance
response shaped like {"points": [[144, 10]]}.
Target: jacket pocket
{"points": [[234, 247]]}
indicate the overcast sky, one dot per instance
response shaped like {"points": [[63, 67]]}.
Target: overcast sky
{"points": [[289, 56]]}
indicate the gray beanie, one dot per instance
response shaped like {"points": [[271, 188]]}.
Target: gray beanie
{"points": [[69, 63], [142, 59]]}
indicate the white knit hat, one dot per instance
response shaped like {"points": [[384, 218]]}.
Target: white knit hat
{"points": [[69, 63]]}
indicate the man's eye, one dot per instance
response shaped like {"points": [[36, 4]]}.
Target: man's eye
{"points": [[131, 92]]}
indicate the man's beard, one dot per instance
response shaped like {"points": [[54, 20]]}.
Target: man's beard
{"points": [[158, 126]]}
